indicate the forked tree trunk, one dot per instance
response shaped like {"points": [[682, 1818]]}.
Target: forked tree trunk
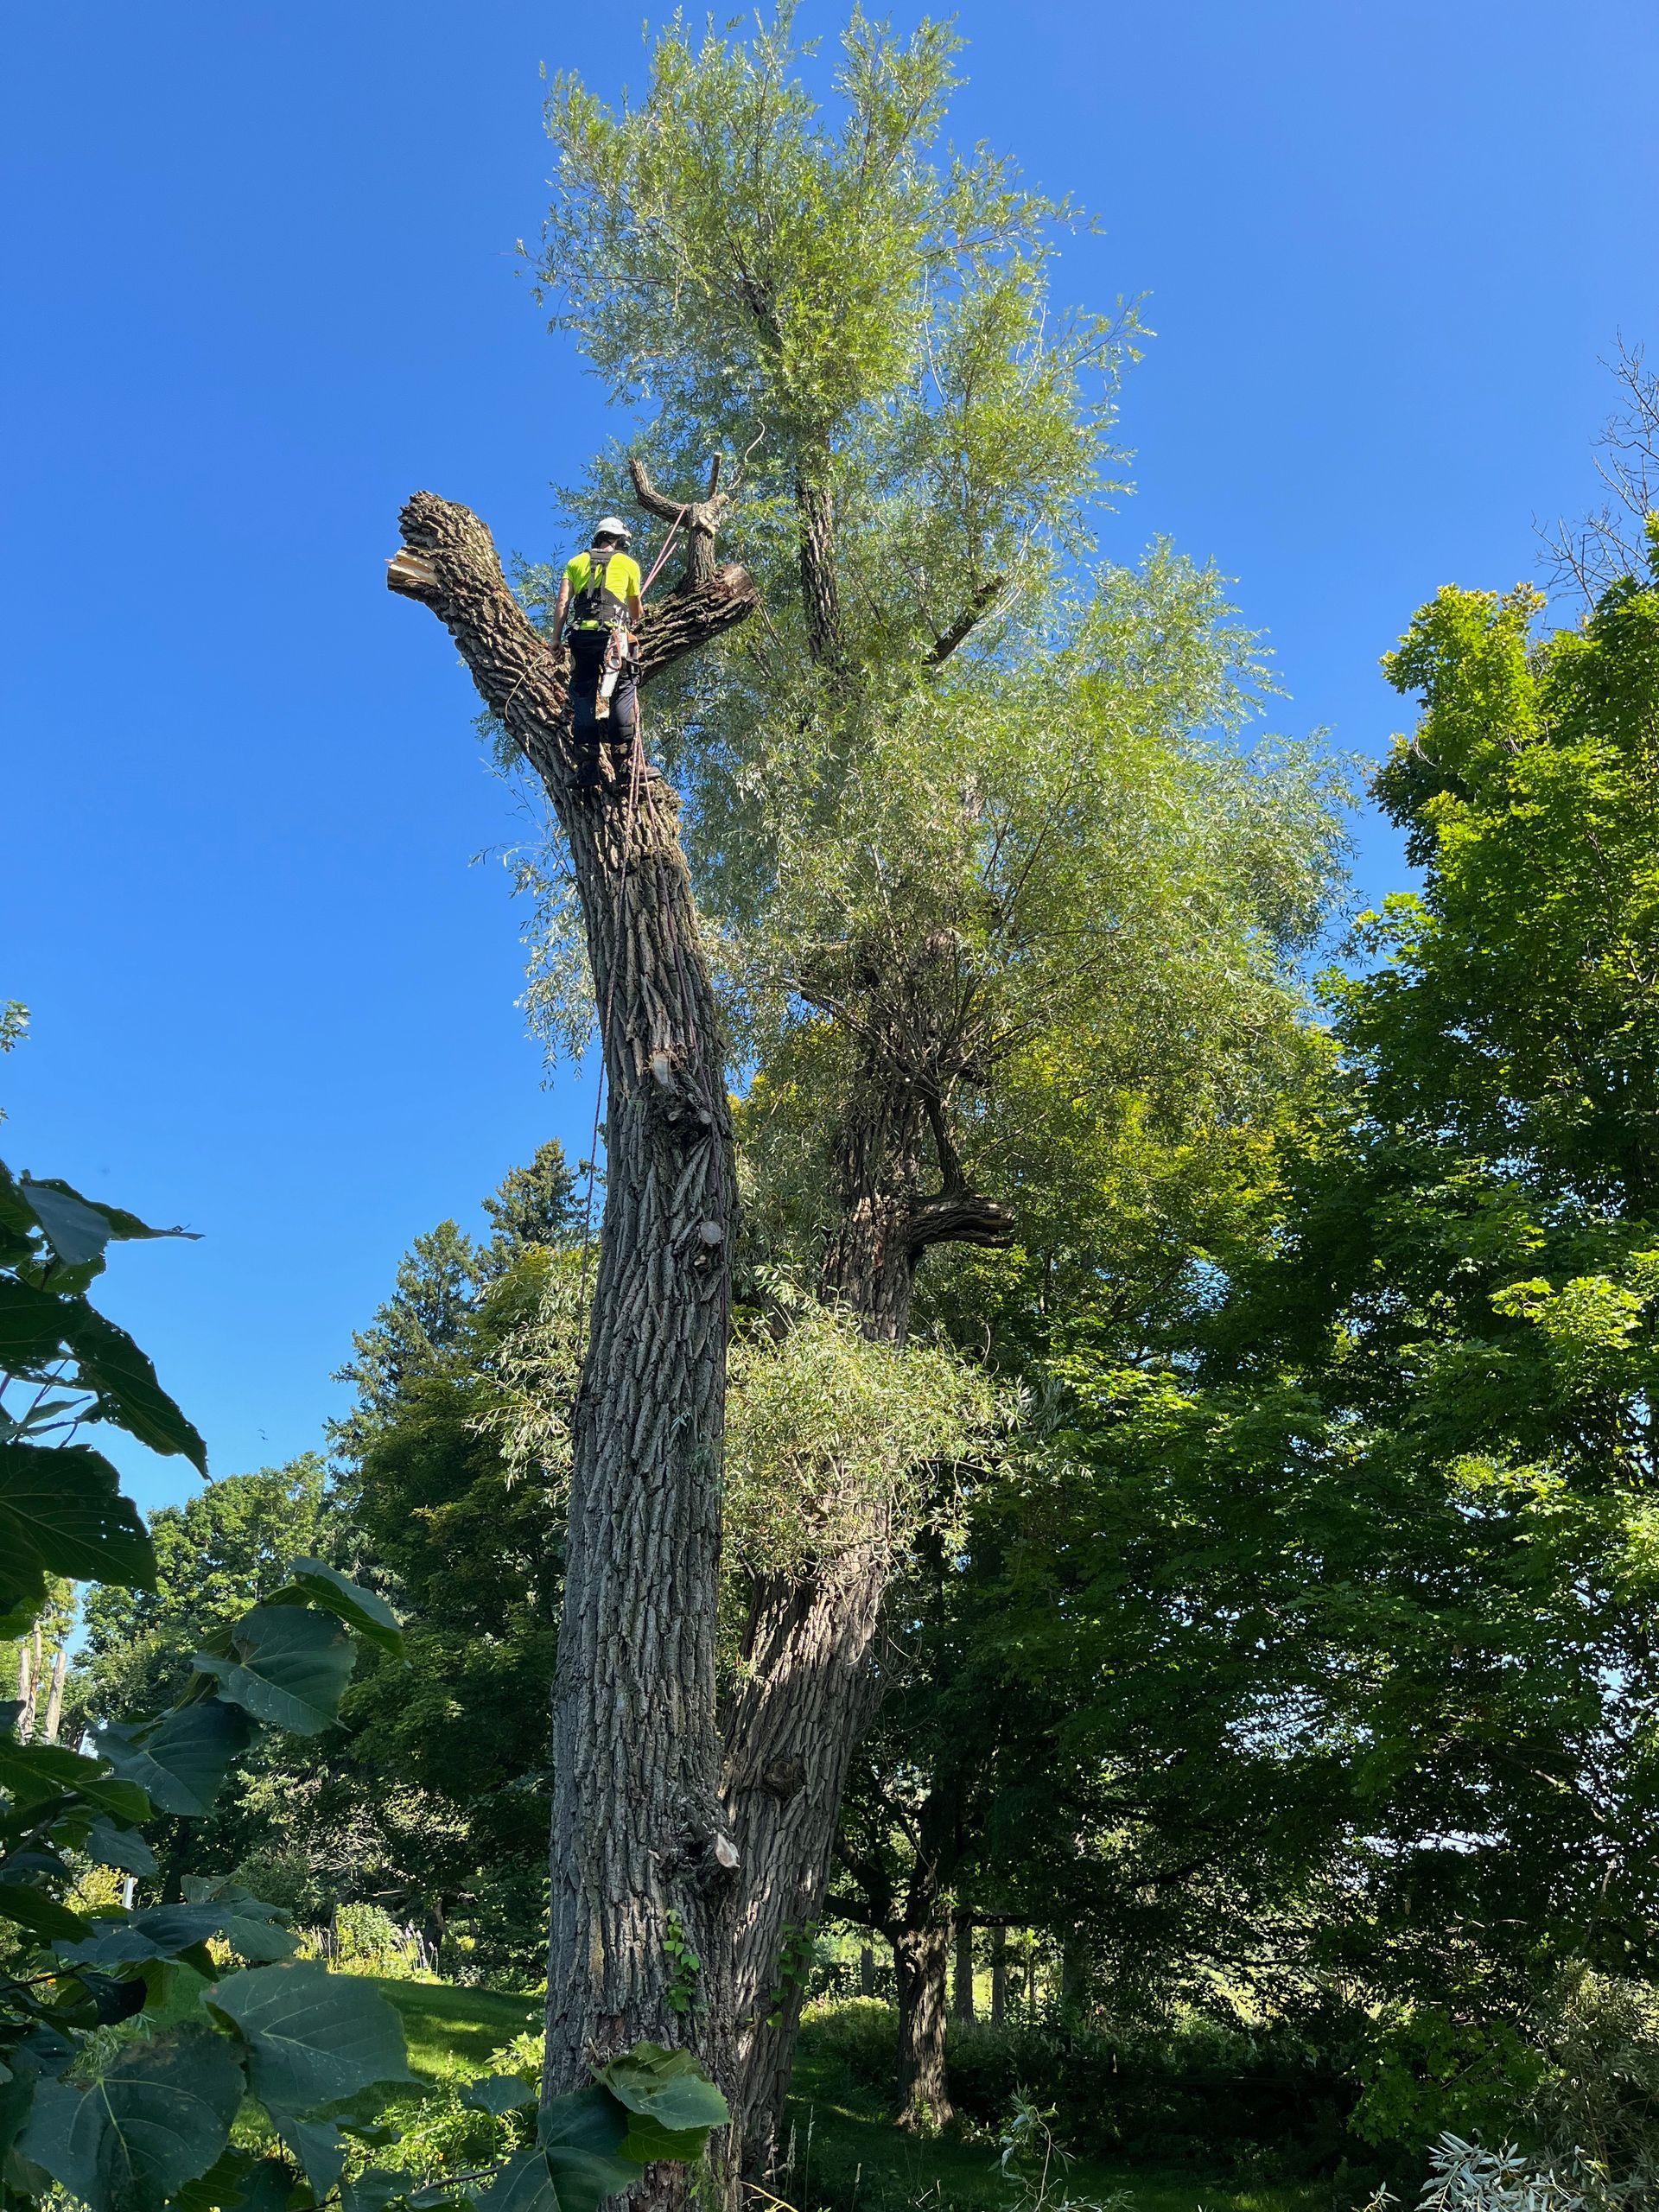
{"points": [[640, 1844], [806, 1696], [962, 1993]]}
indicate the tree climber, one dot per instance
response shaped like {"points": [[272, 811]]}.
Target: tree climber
{"points": [[600, 593]]}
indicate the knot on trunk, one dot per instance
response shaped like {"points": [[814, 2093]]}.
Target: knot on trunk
{"points": [[785, 1778]]}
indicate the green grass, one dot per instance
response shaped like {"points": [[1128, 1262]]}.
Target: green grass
{"points": [[447, 2028], [849, 2156]]}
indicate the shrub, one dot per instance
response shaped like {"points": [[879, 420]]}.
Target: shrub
{"points": [[1175, 2093]]}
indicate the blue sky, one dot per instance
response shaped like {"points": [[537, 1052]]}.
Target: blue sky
{"points": [[261, 285]]}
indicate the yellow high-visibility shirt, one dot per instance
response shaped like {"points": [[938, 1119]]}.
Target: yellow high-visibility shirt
{"points": [[621, 574]]}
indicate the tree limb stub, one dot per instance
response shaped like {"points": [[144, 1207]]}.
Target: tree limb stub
{"points": [[703, 519], [636, 1754]]}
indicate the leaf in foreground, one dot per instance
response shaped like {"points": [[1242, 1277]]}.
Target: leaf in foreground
{"points": [[181, 1762], [313, 2037], [159, 2116], [61, 1510], [290, 1669]]}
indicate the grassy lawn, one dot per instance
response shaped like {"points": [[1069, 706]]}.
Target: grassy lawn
{"points": [[448, 2027], [848, 2157]]}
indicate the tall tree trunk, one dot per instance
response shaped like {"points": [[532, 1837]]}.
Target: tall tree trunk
{"points": [[28, 1683], [865, 1970], [999, 1976], [641, 1845], [923, 1957], [804, 1699], [962, 1994], [812, 1683]]}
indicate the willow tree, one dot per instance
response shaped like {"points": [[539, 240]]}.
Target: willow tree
{"points": [[967, 810]]}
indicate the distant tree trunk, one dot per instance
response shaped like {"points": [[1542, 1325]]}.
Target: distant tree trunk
{"points": [[55, 1695], [923, 1956], [28, 1677], [640, 1842], [962, 1994], [1074, 1970], [865, 1970], [999, 1976]]}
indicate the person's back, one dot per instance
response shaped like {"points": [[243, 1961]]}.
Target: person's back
{"points": [[604, 587], [599, 608]]}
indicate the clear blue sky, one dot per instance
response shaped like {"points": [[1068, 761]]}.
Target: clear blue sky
{"points": [[260, 285]]}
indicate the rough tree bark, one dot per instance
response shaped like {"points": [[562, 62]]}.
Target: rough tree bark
{"points": [[922, 1955], [55, 1695], [641, 1839]]}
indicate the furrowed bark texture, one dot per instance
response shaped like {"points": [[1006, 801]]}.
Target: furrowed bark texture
{"points": [[640, 1836], [922, 1956]]}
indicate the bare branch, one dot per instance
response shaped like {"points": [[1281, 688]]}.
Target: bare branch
{"points": [[964, 625]]}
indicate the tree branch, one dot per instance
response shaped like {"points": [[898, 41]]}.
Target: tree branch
{"points": [[958, 1218], [964, 625], [703, 519]]}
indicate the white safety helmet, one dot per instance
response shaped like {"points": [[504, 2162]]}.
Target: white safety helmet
{"points": [[613, 526]]}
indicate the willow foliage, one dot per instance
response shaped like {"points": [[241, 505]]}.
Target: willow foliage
{"points": [[1029, 761]]}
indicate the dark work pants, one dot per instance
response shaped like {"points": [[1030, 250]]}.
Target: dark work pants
{"points": [[587, 668]]}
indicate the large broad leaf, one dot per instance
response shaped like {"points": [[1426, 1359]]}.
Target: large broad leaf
{"points": [[581, 2140], [16, 2095], [255, 1930], [238, 2182], [111, 1845], [128, 1392], [25, 1906], [31, 1327], [61, 1510], [34, 1772], [289, 1667], [158, 2116], [499, 2094], [668, 2088], [181, 1762], [312, 1582], [78, 1228], [313, 2037], [373, 2190], [160, 1931], [320, 2148]]}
